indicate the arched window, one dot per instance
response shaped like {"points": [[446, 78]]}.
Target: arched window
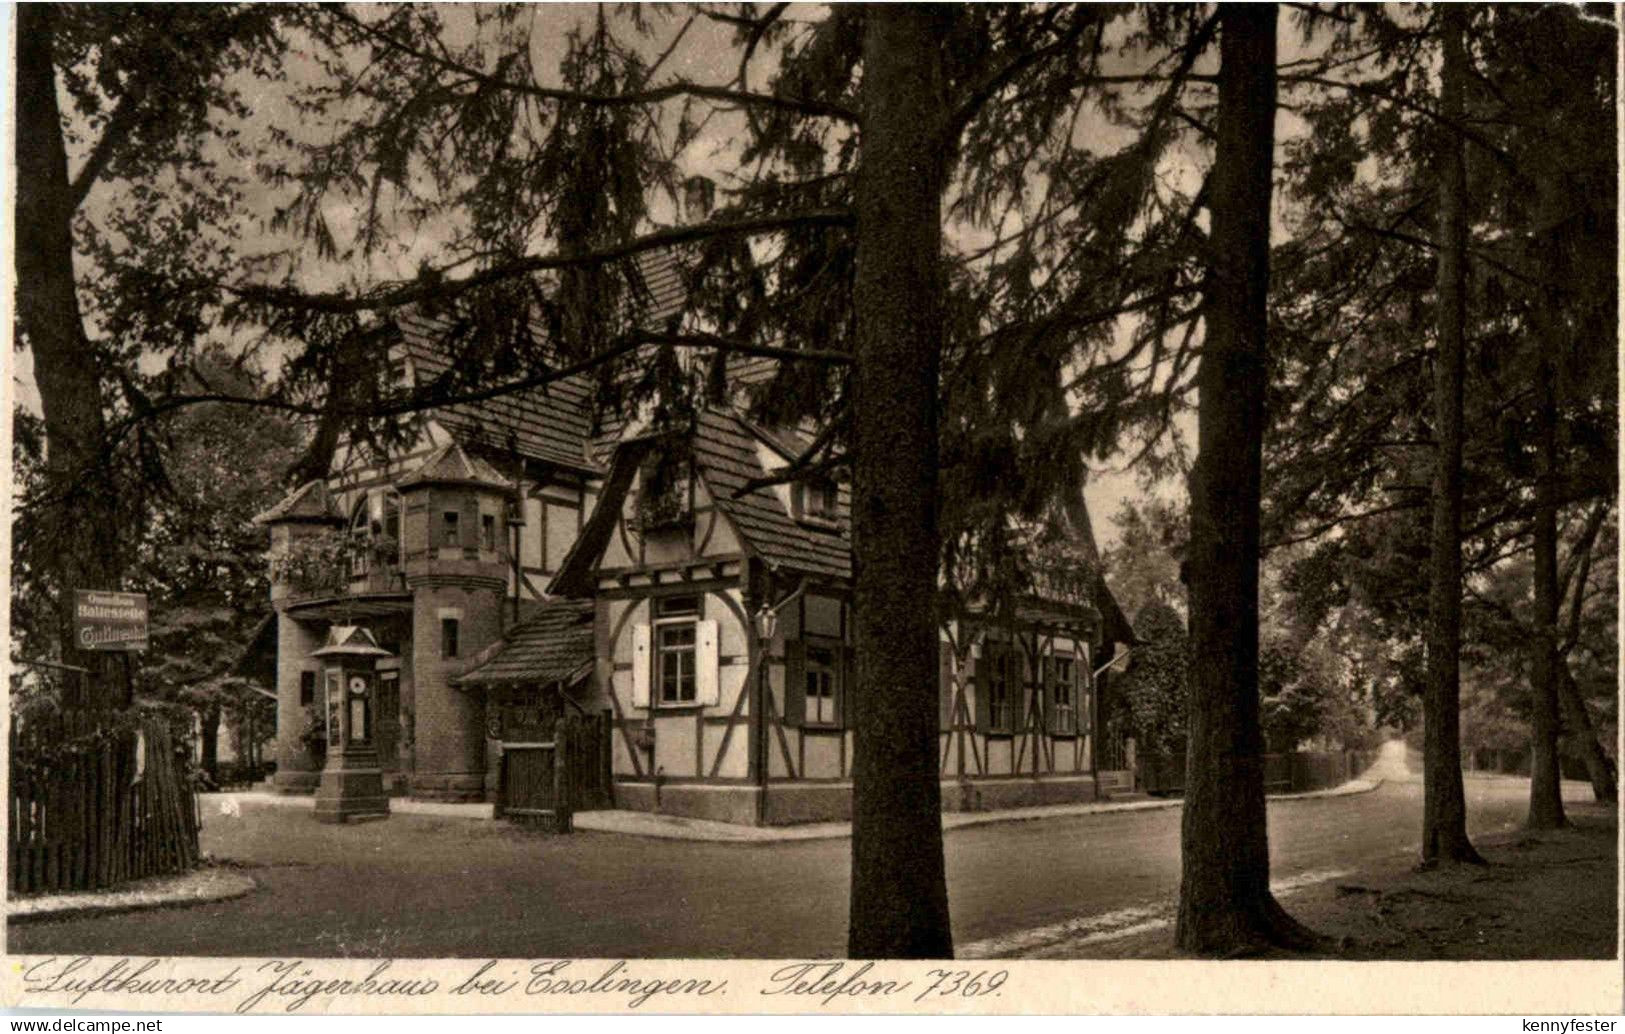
{"points": [[360, 534]]}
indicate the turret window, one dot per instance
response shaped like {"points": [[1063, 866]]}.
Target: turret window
{"points": [[448, 637], [450, 532], [488, 531]]}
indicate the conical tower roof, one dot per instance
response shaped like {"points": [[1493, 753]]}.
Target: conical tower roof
{"points": [[452, 465], [350, 641], [310, 503]]}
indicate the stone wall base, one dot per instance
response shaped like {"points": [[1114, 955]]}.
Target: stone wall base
{"points": [[999, 794], [295, 782], [460, 787], [794, 803]]}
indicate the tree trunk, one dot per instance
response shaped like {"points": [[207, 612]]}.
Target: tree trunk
{"points": [[83, 545], [1444, 810], [1599, 766], [1225, 905], [899, 902], [209, 741], [1545, 780]]}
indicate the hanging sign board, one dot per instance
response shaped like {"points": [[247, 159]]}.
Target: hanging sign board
{"points": [[114, 621]]}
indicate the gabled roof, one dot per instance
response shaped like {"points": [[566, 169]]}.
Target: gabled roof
{"points": [[575, 573], [1075, 516], [554, 644], [452, 465], [726, 455], [350, 641], [310, 503], [551, 423], [726, 459]]}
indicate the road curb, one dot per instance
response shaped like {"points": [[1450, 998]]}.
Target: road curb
{"points": [[198, 887], [655, 827]]}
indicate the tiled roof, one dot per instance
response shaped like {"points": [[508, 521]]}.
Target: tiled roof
{"points": [[551, 423], [451, 464], [311, 501], [726, 455], [555, 643]]}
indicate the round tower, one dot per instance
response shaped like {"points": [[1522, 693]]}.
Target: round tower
{"points": [[457, 562], [297, 524]]}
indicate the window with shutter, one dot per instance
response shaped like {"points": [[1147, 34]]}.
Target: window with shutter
{"points": [[816, 681], [1046, 668], [978, 687], [1063, 713], [709, 690], [820, 680], [641, 665], [945, 686], [674, 662], [795, 668], [995, 672], [845, 704]]}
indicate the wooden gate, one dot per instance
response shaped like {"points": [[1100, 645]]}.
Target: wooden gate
{"points": [[547, 781]]}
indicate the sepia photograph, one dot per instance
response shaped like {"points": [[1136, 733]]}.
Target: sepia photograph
{"points": [[549, 507]]}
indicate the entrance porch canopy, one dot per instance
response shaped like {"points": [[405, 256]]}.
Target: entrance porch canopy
{"points": [[555, 644]]}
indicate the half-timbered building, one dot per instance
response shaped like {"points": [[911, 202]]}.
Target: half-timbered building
{"points": [[662, 585]]}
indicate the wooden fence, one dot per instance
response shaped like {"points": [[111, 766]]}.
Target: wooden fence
{"points": [[93, 805], [546, 782], [586, 740]]}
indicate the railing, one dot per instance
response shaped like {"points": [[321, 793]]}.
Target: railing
{"points": [[334, 563]]}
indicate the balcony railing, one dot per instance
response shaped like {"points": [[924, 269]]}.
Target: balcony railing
{"points": [[334, 563]]}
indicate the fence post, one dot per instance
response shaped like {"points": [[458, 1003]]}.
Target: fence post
{"points": [[562, 816]]}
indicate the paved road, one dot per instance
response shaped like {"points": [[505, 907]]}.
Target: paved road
{"points": [[420, 886]]}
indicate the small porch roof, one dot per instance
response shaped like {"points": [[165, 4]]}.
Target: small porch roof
{"points": [[555, 644]]}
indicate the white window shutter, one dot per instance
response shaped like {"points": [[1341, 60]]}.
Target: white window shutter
{"points": [[705, 662], [641, 668]]}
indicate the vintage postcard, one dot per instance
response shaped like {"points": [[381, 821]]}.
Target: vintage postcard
{"points": [[830, 509]]}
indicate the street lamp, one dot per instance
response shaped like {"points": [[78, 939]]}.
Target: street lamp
{"points": [[352, 786]]}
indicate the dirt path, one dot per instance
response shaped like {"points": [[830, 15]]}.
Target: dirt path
{"points": [[1547, 895]]}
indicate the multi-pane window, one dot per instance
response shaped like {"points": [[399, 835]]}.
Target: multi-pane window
{"points": [[675, 673], [1065, 718], [488, 531], [450, 532], [448, 637], [822, 681], [999, 718], [816, 500]]}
